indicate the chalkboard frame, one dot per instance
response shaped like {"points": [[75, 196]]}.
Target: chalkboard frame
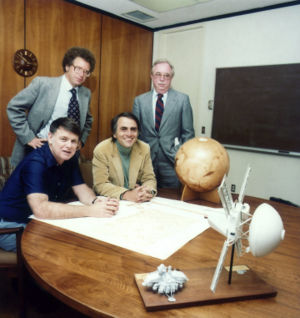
{"points": [[257, 108]]}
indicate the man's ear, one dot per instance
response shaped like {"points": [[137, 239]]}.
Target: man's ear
{"points": [[79, 145], [50, 137]]}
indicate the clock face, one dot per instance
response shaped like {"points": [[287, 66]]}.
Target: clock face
{"points": [[25, 63]]}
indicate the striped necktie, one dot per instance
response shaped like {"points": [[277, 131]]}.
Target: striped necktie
{"points": [[73, 110], [159, 110]]}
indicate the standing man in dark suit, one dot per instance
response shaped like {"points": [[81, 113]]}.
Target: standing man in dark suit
{"points": [[32, 110], [166, 120]]}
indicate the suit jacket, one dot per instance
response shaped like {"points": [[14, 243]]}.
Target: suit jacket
{"points": [[31, 109], [177, 122], [108, 172]]}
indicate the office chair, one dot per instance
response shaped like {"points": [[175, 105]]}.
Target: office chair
{"points": [[12, 264]]}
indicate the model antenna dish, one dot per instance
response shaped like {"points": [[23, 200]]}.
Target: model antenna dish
{"points": [[266, 230]]}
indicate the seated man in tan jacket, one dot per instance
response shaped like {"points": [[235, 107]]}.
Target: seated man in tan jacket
{"points": [[122, 166]]}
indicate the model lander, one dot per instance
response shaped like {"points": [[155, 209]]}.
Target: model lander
{"points": [[202, 165]]}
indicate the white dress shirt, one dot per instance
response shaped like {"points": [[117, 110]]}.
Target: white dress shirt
{"points": [[61, 105]]}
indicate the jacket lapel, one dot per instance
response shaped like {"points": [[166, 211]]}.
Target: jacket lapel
{"points": [[83, 104], [168, 109], [50, 98], [149, 112], [135, 163], [116, 162]]}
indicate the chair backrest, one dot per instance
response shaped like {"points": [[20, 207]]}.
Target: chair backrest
{"points": [[7, 259], [10, 261], [5, 170]]}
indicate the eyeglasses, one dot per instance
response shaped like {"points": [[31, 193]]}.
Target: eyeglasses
{"points": [[78, 70], [166, 76]]}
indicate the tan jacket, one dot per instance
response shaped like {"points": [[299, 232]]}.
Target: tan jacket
{"points": [[108, 172]]}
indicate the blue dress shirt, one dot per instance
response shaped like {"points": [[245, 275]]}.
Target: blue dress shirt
{"points": [[38, 172]]}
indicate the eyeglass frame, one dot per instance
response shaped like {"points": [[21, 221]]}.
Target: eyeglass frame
{"points": [[78, 70], [166, 76]]}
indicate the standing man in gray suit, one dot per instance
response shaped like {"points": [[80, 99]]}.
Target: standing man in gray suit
{"points": [[166, 120], [33, 109]]}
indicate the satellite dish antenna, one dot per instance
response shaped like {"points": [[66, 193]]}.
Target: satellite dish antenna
{"points": [[264, 239], [262, 231]]}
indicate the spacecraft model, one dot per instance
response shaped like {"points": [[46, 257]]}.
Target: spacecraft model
{"points": [[259, 233]]}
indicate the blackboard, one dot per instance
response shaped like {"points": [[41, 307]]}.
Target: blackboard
{"points": [[258, 107]]}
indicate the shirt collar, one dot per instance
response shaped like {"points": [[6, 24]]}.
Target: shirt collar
{"points": [[165, 95], [50, 159], [65, 84]]}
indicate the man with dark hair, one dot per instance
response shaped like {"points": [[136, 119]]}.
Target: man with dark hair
{"points": [[81, 52], [122, 166], [33, 109], [38, 184]]}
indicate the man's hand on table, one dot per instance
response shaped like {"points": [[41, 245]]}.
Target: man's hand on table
{"points": [[138, 194], [104, 207]]}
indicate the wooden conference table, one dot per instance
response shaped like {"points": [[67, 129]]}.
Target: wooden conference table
{"points": [[97, 278]]}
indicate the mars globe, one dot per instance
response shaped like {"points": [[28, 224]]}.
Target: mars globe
{"points": [[201, 163]]}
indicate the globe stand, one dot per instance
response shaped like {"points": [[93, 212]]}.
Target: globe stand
{"points": [[210, 196]]}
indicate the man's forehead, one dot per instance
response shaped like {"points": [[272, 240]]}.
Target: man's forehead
{"points": [[125, 122], [162, 67], [79, 61], [61, 131]]}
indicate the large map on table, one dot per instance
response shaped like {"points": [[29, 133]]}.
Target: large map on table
{"points": [[157, 228]]}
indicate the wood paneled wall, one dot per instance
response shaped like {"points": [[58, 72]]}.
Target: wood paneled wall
{"points": [[123, 54], [54, 26], [126, 57], [11, 39]]}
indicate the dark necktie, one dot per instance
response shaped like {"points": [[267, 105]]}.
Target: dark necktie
{"points": [[159, 110], [73, 110]]}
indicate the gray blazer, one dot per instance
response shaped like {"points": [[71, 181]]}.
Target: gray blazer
{"points": [[177, 121], [31, 109]]}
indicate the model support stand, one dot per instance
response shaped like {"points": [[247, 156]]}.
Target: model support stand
{"points": [[210, 196]]}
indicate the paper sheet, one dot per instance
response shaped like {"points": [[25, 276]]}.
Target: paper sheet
{"points": [[157, 228]]}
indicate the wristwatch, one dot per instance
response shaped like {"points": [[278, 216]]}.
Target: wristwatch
{"points": [[122, 194]]}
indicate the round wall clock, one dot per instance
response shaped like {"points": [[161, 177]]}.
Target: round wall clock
{"points": [[25, 63]]}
